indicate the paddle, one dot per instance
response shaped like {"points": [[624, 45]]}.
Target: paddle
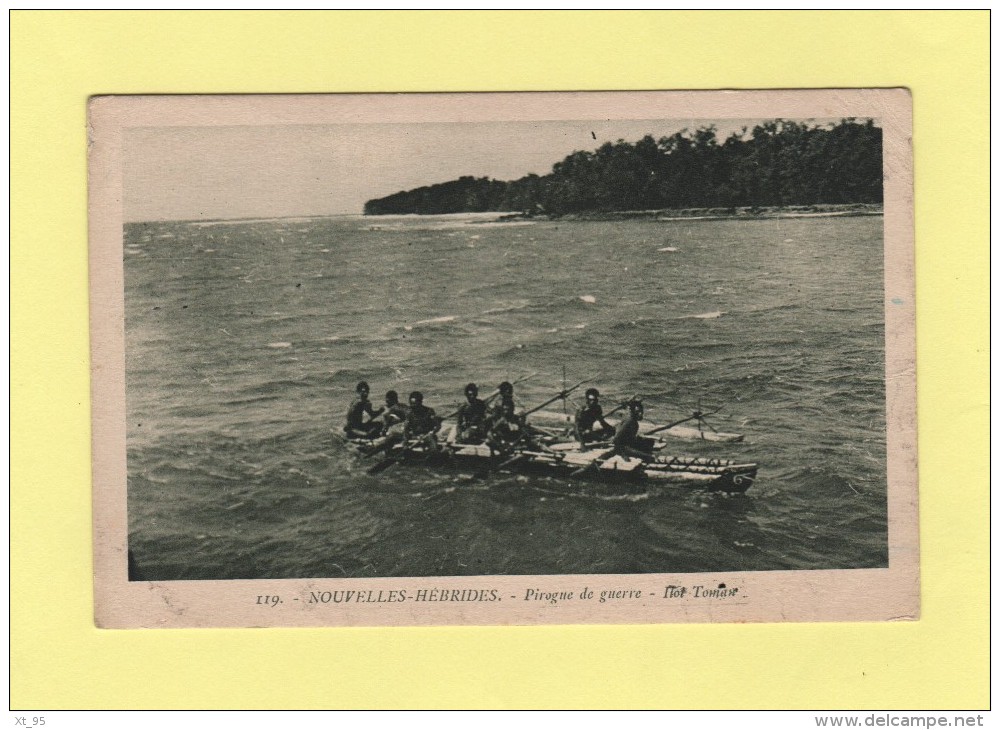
{"points": [[383, 465], [386, 462], [486, 471], [386, 444], [511, 460], [398, 456]]}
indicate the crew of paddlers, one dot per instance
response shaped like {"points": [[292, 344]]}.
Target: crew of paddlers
{"points": [[495, 421]]}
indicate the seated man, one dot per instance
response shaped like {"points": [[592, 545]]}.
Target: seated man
{"points": [[421, 422], [627, 441], [471, 418], [393, 421], [590, 415], [357, 426], [393, 414], [504, 426]]}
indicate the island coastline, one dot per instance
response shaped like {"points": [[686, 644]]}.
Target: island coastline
{"points": [[666, 215]]}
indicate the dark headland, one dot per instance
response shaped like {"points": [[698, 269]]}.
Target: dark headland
{"points": [[778, 169]]}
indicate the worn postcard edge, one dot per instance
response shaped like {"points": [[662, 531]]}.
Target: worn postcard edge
{"points": [[890, 593]]}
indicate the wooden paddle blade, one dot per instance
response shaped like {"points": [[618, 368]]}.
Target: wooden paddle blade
{"points": [[383, 465], [483, 473], [512, 460]]}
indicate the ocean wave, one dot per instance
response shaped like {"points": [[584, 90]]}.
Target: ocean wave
{"points": [[705, 315], [506, 308], [265, 491], [433, 320]]}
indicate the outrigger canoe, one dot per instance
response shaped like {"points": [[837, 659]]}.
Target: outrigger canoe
{"points": [[596, 464]]}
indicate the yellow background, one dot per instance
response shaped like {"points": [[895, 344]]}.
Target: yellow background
{"points": [[60, 661]]}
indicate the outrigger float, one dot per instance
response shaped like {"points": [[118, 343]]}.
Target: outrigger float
{"points": [[703, 431]]}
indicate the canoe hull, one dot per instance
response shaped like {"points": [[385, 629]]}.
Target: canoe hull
{"points": [[595, 465]]}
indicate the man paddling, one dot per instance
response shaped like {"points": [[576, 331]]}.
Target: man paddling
{"points": [[420, 426], [471, 417], [504, 425], [421, 422], [357, 426], [627, 441], [588, 417], [393, 413]]}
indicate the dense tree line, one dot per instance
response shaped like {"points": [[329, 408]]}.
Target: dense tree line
{"points": [[775, 164]]}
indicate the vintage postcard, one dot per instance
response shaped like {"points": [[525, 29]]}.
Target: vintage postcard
{"points": [[540, 358]]}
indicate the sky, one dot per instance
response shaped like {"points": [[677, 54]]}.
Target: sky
{"points": [[204, 173]]}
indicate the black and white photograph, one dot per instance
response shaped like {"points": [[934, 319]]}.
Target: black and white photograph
{"points": [[469, 358]]}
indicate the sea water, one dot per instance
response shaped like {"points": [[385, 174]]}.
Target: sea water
{"points": [[245, 340]]}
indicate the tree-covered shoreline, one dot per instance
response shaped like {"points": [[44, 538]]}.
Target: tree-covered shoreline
{"points": [[776, 164]]}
